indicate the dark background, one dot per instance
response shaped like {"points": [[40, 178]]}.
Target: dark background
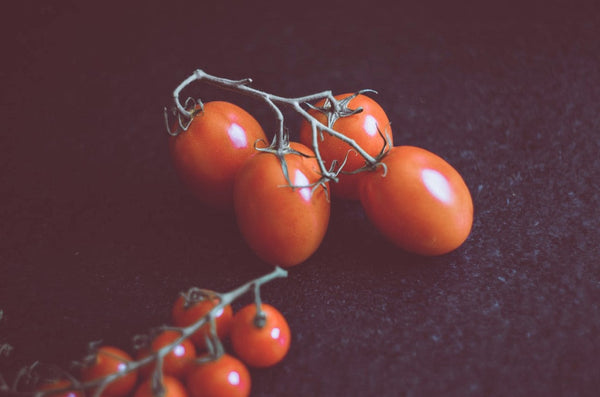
{"points": [[97, 236]]}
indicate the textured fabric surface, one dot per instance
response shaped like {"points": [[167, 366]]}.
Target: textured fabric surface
{"points": [[97, 236]]}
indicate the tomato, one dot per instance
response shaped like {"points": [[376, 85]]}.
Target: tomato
{"points": [[362, 128], [264, 345], [422, 204], [109, 360], [183, 316], [209, 153], [226, 376], [172, 387], [177, 361], [283, 225], [59, 384]]}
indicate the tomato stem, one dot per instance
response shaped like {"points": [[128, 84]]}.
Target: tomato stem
{"points": [[98, 385], [297, 104]]}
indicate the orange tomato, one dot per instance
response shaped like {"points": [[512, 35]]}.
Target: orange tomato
{"points": [[283, 225], [260, 346], [183, 316], [176, 362], [422, 204], [209, 153], [172, 387], [362, 128], [109, 360], [225, 377]]}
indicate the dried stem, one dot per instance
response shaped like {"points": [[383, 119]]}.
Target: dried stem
{"points": [[274, 101]]}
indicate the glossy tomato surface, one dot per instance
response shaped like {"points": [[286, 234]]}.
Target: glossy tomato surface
{"points": [[283, 225], [362, 128], [109, 360], [260, 346], [184, 315], [172, 387], [177, 362], [209, 153], [422, 204], [225, 377]]}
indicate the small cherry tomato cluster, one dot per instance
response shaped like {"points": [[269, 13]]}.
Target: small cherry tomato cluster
{"points": [[187, 359], [280, 192]]}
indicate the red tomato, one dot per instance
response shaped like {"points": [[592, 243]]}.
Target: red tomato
{"points": [[109, 360], [281, 224], [172, 387], [183, 316], [225, 377], [59, 384], [422, 204], [260, 346], [214, 147], [362, 128], [177, 362]]}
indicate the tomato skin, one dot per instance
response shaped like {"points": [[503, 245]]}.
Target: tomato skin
{"points": [[183, 316], [422, 205], [226, 376], [177, 362], [108, 360], [282, 225], [59, 384], [209, 153], [260, 347], [173, 388], [362, 128]]}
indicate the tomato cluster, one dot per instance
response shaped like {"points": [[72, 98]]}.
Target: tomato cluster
{"points": [[260, 337], [281, 197]]}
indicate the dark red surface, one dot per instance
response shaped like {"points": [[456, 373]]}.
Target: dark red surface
{"points": [[97, 236]]}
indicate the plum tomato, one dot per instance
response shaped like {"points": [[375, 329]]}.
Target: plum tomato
{"points": [[220, 138], [225, 376], [184, 315], [175, 363], [421, 203], [106, 361], [172, 386], [260, 345], [362, 127], [283, 225]]}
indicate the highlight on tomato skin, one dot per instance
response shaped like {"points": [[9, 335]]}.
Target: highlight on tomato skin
{"points": [[283, 225], [207, 156], [418, 201]]}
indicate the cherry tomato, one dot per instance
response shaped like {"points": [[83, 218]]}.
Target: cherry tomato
{"points": [[59, 384], [177, 362], [225, 377], [109, 360], [172, 387], [183, 316], [282, 225], [264, 345], [362, 128], [422, 204], [209, 153]]}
